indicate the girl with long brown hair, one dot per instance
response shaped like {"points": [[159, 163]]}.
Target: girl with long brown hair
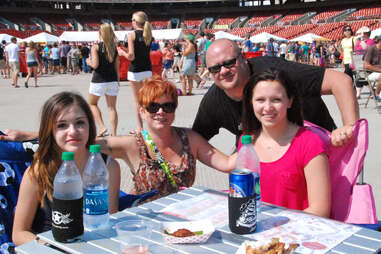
{"points": [[66, 125], [139, 47], [105, 62]]}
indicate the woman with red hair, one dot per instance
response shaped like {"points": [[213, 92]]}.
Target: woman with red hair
{"points": [[163, 157]]}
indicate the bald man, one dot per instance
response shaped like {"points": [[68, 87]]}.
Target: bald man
{"points": [[221, 105]]}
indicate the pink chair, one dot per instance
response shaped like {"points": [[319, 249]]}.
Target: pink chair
{"points": [[351, 202]]}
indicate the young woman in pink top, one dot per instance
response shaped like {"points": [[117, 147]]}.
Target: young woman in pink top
{"points": [[294, 166]]}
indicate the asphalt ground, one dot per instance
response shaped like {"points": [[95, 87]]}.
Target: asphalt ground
{"points": [[20, 109]]}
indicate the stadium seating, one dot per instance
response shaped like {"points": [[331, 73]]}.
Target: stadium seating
{"points": [[225, 21], [190, 31], [268, 29], [58, 22], [256, 24], [323, 16], [22, 20], [90, 23], [323, 29], [357, 24], [367, 13], [293, 31], [192, 23], [16, 33], [289, 18], [160, 24], [125, 25], [242, 31], [375, 26], [256, 21], [212, 31]]}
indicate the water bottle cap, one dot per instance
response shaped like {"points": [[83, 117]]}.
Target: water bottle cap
{"points": [[246, 139], [95, 148], [67, 156]]}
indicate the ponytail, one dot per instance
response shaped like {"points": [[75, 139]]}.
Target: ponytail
{"points": [[147, 33]]}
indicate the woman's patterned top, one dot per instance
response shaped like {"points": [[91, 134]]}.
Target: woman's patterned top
{"points": [[150, 176]]}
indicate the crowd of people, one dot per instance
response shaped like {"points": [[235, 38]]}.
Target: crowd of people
{"points": [[267, 97], [39, 59]]}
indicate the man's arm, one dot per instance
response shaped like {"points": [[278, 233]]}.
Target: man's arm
{"points": [[370, 67], [18, 135], [340, 86]]}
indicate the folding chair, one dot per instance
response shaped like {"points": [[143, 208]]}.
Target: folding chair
{"points": [[372, 86], [15, 157], [351, 202], [361, 75]]}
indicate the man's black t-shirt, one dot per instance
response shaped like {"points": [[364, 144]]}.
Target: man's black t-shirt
{"points": [[217, 110], [85, 52]]}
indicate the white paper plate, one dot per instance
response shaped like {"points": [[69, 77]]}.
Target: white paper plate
{"points": [[205, 226]]}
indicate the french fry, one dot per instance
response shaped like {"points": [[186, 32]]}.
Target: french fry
{"points": [[273, 247]]}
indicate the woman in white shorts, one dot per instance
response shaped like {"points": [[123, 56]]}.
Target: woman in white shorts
{"points": [[139, 47], [105, 81]]}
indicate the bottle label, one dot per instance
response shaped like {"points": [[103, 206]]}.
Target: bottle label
{"points": [[95, 202], [257, 185], [67, 219]]}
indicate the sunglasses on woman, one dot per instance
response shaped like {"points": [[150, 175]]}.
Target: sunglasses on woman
{"points": [[168, 107], [227, 64]]}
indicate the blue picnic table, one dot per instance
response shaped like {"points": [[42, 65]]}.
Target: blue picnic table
{"points": [[356, 241]]}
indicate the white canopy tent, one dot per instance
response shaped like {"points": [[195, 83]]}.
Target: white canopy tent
{"points": [[122, 35], [7, 38], [89, 36], [76, 36], [223, 35], [42, 37], [376, 32], [309, 37], [168, 34], [265, 37]]}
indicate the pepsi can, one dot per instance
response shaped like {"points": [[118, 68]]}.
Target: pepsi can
{"points": [[241, 183]]}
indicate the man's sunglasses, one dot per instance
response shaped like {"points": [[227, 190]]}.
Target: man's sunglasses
{"points": [[227, 64], [348, 29], [168, 107]]}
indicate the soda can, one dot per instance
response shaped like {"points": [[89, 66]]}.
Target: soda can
{"points": [[241, 183], [242, 202]]}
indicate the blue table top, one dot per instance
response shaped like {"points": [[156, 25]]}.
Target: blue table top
{"points": [[222, 240]]}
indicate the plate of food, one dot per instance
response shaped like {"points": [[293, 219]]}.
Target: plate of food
{"points": [[269, 247], [187, 231]]}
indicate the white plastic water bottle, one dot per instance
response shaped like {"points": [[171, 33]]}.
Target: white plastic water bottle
{"points": [[247, 159], [95, 184], [67, 217]]}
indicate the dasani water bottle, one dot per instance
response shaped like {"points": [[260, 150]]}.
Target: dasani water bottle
{"points": [[95, 184], [247, 159]]}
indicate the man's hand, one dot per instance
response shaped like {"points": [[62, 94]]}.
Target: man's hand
{"points": [[18, 135], [342, 135]]}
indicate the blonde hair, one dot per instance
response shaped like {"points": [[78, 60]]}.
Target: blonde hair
{"points": [[142, 19], [109, 40]]}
